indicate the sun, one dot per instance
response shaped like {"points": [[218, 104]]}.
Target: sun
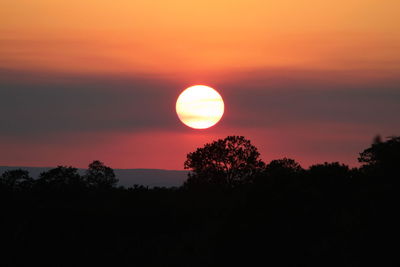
{"points": [[200, 107]]}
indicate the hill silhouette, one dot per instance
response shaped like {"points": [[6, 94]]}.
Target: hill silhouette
{"points": [[233, 210]]}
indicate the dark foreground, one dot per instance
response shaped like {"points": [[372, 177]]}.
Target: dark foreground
{"points": [[280, 224], [281, 215]]}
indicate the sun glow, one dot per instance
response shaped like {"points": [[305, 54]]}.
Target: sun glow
{"points": [[200, 107]]}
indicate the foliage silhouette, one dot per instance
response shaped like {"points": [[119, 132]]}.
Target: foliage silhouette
{"points": [[331, 173], [16, 180], [60, 179], [226, 162], [382, 155], [283, 168], [100, 176], [277, 214]]}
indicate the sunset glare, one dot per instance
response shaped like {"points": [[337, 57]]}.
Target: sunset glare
{"points": [[200, 107]]}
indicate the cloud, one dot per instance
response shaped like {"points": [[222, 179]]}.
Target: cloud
{"points": [[80, 104], [92, 103], [130, 121], [272, 108]]}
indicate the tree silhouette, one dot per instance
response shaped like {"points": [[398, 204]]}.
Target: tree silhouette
{"points": [[60, 179], [283, 167], [16, 180], [381, 162], [328, 211], [280, 171], [330, 176], [230, 161], [382, 154], [100, 176]]}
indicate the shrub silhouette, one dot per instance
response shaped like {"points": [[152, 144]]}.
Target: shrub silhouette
{"points": [[226, 162]]}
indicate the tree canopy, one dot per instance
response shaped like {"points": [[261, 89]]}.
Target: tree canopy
{"points": [[60, 178], [382, 154], [99, 175], [16, 179], [229, 161]]}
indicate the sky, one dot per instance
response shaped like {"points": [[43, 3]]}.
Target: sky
{"points": [[98, 79]]}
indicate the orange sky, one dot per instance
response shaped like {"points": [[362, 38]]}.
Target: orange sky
{"points": [[183, 37], [98, 79]]}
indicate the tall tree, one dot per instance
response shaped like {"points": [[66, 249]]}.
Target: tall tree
{"points": [[230, 161]]}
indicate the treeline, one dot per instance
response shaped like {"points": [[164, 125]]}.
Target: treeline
{"points": [[62, 179], [233, 210]]}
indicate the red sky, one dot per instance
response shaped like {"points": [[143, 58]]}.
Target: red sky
{"points": [[85, 80]]}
